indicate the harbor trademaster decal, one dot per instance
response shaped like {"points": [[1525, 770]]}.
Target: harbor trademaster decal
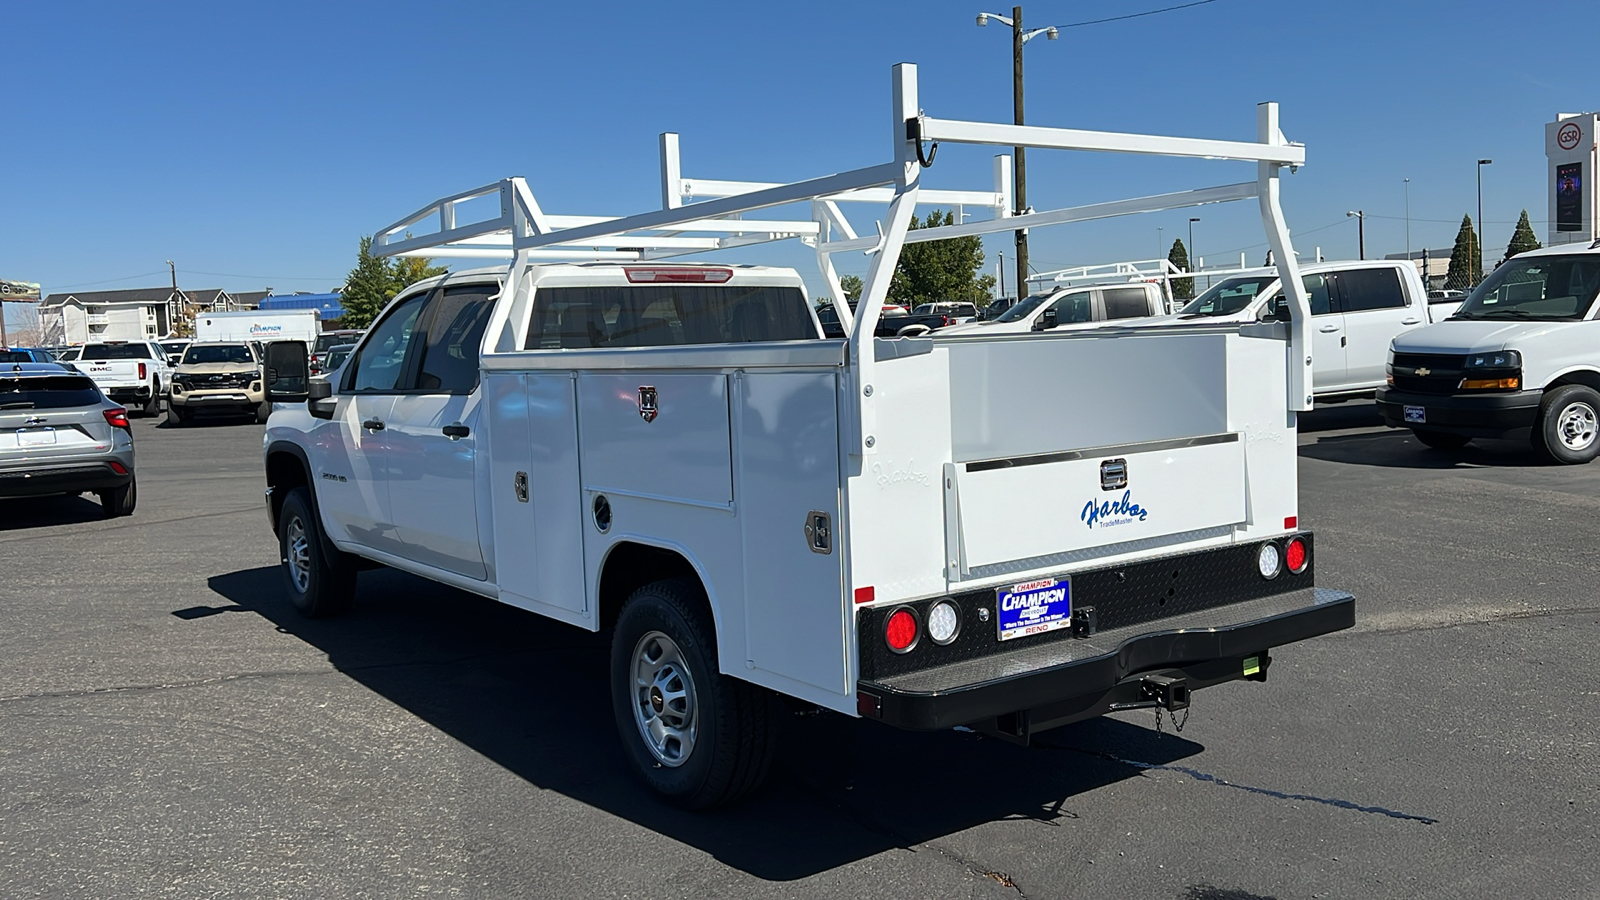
{"points": [[1111, 513]]}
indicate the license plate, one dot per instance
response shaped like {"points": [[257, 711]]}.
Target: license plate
{"points": [[1416, 414], [1034, 607], [40, 437]]}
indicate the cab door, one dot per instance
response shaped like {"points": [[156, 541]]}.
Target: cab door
{"points": [[1328, 370], [1375, 311], [434, 434], [351, 450]]}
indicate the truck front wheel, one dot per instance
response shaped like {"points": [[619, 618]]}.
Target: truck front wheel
{"points": [[696, 736], [1568, 428], [320, 582]]}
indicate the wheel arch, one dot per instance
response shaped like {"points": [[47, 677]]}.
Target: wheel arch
{"points": [[633, 562], [1589, 378], [287, 468]]}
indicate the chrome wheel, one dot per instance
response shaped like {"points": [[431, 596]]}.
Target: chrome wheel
{"points": [[664, 704], [297, 553], [1577, 426]]}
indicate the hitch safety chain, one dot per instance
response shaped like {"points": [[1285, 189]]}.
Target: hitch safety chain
{"points": [[1176, 723]]}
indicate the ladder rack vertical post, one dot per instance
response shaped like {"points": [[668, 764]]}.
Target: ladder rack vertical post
{"points": [[1294, 291]]}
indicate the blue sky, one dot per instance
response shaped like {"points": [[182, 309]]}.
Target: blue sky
{"points": [[254, 143]]}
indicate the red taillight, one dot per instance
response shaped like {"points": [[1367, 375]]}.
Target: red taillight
{"points": [[1295, 555], [117, 418], [118, 468], [141, 371], [678, 274], [901, 630]]}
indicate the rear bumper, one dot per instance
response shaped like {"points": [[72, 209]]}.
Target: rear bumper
{"points": [[1054, 685], [63, 478], [140, 392], [1483, 415]]}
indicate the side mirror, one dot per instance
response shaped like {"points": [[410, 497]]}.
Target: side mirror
{"points": [[1276, 311], [288, 372], [1046, 321]]}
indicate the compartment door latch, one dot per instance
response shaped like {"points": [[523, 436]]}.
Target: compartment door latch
{"points": [[819, 532]]}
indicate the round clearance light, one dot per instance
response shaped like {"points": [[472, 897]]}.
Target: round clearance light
{"points": [[901, 630], [1268, 561], [1296, 556], [944, 622]]}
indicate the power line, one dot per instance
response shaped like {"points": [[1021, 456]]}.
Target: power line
{"points": [[1151, 12], [272, 277], [107, 281]]}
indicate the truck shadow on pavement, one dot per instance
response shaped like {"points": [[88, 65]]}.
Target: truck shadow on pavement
{"points": [[530, 694], [1397, 447]]}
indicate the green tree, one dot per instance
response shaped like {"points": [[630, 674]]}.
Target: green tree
{"points": [[852, 288], [1522, 239], [1466, 260], [375, 281], [940, 270], [1182, 288]]}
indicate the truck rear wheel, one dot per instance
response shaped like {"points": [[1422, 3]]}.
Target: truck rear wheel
{"points": [[152, 407], [1440, 440], [694, 735], [1568, 428], [321, 582]]}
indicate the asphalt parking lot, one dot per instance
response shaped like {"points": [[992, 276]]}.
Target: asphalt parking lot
{"points": [[169, 727]]}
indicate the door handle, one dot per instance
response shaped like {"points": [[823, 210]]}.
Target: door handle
{"points": [[373, 424], [1328, 329], [1411, 321], [456, 431]]}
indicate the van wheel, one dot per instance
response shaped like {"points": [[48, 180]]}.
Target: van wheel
{"points": [[696, 736], [1568, 428], [119, 501], [1440, 440], [320, 583]]}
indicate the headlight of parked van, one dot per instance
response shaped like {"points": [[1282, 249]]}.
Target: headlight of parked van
{"points": [[1497, 371]]}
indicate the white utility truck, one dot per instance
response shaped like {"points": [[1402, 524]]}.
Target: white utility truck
{"points": [[898, 529], [1520, 358], [259, 325], [1357, 308]]}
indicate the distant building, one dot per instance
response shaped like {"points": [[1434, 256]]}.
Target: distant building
{"points": [[128, 315], [329, 305]]}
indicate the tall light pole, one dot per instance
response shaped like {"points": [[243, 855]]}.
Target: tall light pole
{"points": [[1408, 218], [1020, 168], [1194, 261], [1161, 243], [1481, 164], [1361, 231]]}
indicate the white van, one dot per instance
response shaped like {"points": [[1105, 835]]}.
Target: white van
{"points": [[1357, 308]]}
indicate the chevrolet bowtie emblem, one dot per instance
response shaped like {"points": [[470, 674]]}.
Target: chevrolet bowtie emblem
{"points": [[1423, 371]]}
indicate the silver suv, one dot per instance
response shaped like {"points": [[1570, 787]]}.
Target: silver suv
{"points": [[60, 435]]}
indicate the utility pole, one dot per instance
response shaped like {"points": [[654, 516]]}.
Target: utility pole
{"points": [[1003, 275], [1021, 160], [172, 299], [1479, 231], [1408, 218], [1361, 230]]}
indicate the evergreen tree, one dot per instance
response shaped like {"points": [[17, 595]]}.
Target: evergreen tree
{"points": [[1466, 260], [940, 270], [852, 288], [1182, 288], [375, 281], [1523, 239]]}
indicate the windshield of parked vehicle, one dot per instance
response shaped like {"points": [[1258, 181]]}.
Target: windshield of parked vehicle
{"points": [[1540, 287], [337, 355], [1230, 296], [174, 346], [216, 353], [115, 351], [1023, 308], [15, 356], [329, 340]]}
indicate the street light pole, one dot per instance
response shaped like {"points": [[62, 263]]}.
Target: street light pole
{"points": [[1194, 261], [1408, 218], [1481, 164], [1361, 231]]}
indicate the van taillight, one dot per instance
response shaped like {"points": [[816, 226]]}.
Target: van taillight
{"points": [[141, 371]]}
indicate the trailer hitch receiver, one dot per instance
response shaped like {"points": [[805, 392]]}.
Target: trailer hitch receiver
{"points": [[1169, 693]]}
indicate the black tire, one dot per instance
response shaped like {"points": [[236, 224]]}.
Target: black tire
{"points": [[120, 501], [262, 412], [152, 407], [177, 416], [329, 582], [733, 721], [1440, 440], [1565, 431]]}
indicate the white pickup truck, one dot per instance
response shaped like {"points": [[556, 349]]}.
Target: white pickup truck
{"points": [[1520, 358], [1072, 307], [675, 454], [133, 373], [1357, 308]]}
